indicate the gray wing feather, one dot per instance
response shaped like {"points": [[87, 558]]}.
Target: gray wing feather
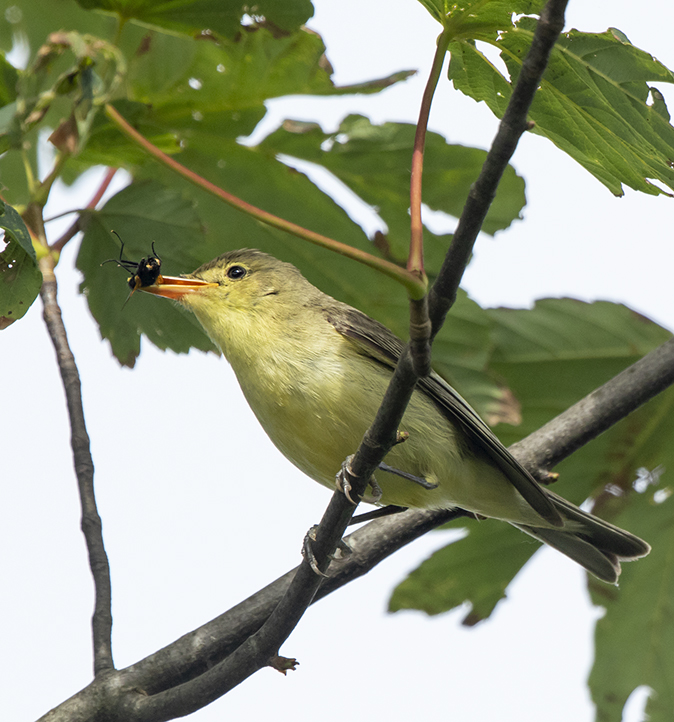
{"points": [[377, 341]]}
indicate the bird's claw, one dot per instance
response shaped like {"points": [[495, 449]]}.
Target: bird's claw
{"points": [[308, 552], [342, 479], [342, 483]]}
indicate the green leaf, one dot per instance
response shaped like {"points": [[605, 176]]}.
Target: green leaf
{"points": [[201, 93], [639, 613], [20, 278], [374, 161], [477, 568], [592, 103], [8, 80], [473, 15], [559, 351], [140, 214], [550, 357], [191, 17]]}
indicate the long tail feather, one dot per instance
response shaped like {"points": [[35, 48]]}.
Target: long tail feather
{"points": [[593, 543]]}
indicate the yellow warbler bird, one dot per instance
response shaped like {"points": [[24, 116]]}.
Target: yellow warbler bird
{"points": [[314, 371]]}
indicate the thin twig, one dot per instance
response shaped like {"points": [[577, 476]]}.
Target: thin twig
{"points": [[415, 261], [420, 326], [75, 227], [84, 470]]}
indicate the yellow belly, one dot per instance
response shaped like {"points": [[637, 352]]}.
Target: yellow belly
{"points": [[316, 416]]}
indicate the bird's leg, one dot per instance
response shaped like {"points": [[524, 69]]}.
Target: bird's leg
{"points": [[410, 477], [377, 514]]}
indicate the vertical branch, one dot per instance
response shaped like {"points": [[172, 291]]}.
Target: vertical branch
{"points": [[84, 470]]}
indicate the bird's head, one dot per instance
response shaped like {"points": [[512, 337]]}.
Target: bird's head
{"points": [[237, 285]]}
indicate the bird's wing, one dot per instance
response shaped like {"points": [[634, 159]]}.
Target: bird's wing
{"points": [[375, 340]]}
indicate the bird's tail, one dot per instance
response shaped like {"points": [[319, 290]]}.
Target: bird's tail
{"points": [[591, 542]]}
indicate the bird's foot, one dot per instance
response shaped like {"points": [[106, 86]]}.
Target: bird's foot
{"points": [[308, 552], [344, 485], [342, 550]]}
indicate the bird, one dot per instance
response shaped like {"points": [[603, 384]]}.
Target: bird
{"points": [[314, 371]]}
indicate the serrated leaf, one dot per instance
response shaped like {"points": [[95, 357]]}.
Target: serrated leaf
{"points": [[193, 16], [592, 103], [20, 278], [184, 92], [141, 213], [374, 161], [474, 16]]}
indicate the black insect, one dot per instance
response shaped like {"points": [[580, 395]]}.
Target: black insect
{"points": [[145, 273]]}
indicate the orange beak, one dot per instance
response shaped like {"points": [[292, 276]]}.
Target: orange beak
{"points": [[175, 287]]}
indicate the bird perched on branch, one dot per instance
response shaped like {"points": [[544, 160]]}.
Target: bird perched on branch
{"points": [[315, 370]]}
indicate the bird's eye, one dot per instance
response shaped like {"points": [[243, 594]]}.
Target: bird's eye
{"points": [[236, 272]]}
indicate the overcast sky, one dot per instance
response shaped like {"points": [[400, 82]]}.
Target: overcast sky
{"points": [[201, 512]]}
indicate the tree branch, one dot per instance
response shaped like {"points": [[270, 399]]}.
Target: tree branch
{"points": [[201, 650], [84, 469]]}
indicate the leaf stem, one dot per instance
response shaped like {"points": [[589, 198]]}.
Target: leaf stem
{"points": [[414, 286], [415, 262]]}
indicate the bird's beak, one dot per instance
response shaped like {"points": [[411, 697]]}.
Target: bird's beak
{"points": [[175, 287]]}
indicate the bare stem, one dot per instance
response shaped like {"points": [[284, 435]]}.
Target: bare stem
{"points": [[415, 262], [84, 470], [420, 326]]}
